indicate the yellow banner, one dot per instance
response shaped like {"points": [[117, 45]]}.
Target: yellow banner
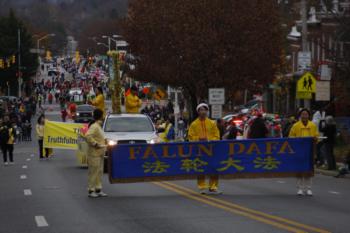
{"points": [[62, 135]]}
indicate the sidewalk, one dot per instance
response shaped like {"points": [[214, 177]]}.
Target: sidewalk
{"points": [[329, 173]]}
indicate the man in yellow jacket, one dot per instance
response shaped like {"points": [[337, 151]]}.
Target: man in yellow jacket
{"points": [[133, 103], [97, 148], [99, 101], [304, 128], [204, 129]]}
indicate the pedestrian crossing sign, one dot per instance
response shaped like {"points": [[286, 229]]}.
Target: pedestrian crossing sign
{"points": [[307, 83]]}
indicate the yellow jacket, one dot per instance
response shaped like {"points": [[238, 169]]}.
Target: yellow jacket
{"points": [[95, 138], [99, 102], [39, 131], [300, 130], [164, 135], [203, 130], [11, 136], [132, 103]]}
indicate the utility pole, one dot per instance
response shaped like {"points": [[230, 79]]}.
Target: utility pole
{"points": [[19, 64], [305, 47]]}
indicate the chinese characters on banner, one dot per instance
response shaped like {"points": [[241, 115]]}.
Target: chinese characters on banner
{"points": [[229, 159]]}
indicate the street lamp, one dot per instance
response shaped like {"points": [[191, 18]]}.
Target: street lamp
{"points": [[40, 39], [294, 34]]}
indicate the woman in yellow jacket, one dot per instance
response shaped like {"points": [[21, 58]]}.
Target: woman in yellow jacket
{"points": [[99, 101], [204, 129], [304, 128], [133, 103], [169, 134], [97, 148]]}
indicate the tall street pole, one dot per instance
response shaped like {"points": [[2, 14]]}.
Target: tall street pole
{"points": [[305, 47], [19, 64]]}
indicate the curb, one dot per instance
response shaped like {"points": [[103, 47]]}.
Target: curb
{"points": [[328, 173]]}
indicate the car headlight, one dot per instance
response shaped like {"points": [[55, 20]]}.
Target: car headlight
{"points": [[154, 141], [111, 142]]}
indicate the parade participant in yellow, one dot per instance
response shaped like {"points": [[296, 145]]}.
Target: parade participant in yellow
{"points": [[97, 148], [133, 103], [304, 128], [169, 134], [99, 101], [204, 129]]}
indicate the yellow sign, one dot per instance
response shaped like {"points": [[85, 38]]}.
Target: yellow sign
{"points": [[304, 95], [307, 83], [48, 55], [159, 94], [61, 135]]}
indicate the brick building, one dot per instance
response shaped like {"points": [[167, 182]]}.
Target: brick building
{"points": [[329, 44]]}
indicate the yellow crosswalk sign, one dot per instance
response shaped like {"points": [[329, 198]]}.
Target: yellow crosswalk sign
{"points": [[307, 83]]}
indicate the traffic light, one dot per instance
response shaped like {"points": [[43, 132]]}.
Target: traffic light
{"points": [[2, 65], [13, 59]]}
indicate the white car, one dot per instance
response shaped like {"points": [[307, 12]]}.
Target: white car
{"points": [[129, 129], [122, 129]]}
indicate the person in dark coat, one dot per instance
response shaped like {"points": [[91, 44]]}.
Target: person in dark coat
{"points": [[258, 128], [330, 132]]}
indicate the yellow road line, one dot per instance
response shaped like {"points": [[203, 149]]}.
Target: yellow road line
{"points": [[276, 218], [232, 210]]}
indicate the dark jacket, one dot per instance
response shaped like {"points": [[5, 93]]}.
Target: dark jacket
{"points": [[258, 129], [329, 131]]}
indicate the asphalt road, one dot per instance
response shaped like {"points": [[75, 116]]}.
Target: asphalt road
{"points": [[51, 196]]}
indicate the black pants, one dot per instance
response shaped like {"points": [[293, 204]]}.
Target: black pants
{"points": [[332, 165], [320, 158], [7, 149], [41, 145]]}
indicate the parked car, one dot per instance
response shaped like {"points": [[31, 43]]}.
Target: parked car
{"points": [[9, 98], [84, 113]]}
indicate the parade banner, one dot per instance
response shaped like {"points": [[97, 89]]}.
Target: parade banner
{"points": [[229, 159], [62, 135]]}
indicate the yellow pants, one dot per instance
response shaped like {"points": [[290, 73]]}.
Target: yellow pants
{"points": [[213, 182], [95, 172]]}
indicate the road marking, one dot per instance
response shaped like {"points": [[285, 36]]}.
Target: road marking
{"points": [[334, 192], [28, 159], [281, 182], [27, 192], [245, 209], [24, 166], [232, 210], [41, 221], [23, 177]]}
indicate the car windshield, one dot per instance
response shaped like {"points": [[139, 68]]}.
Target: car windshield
{"points": [[251, 103], [85, 108], [128, 124]]}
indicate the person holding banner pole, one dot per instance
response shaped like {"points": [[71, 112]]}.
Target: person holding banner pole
{"points": [[97, 148], [40, 135], [204, 129], [304, 128]]}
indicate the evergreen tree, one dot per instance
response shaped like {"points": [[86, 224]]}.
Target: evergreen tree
{"points": [[9, 52]]}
